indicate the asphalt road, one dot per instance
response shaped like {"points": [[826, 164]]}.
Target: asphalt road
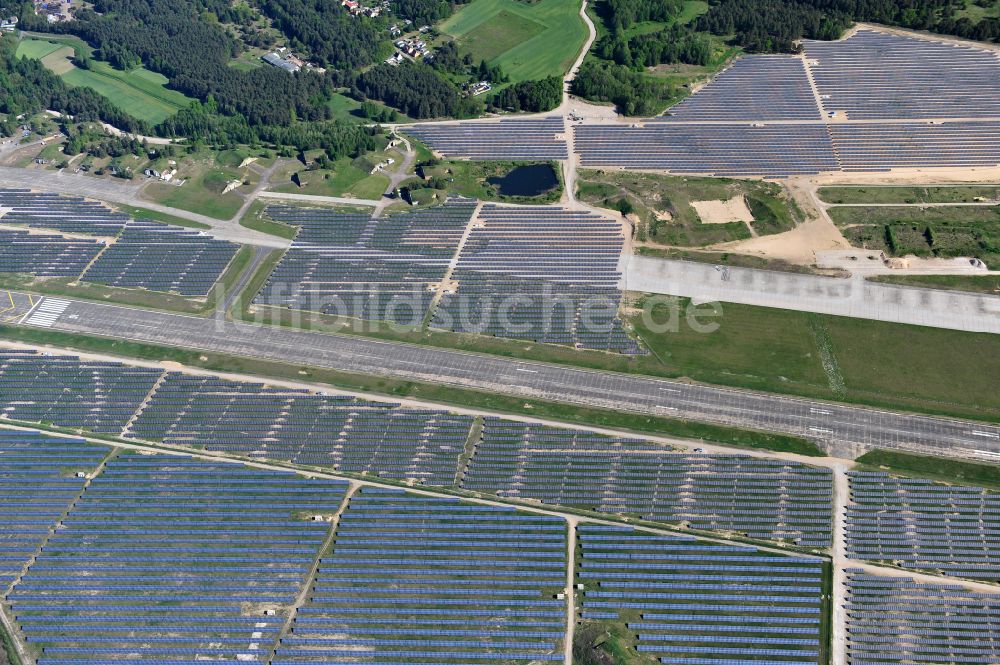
{"points": [[846, 430]]}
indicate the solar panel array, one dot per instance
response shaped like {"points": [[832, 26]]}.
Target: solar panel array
{"points": [[144, 253], [884, 146], [754, 497], [540, 273], [897, 621], [352, 265], [532, 139], [920, 524], [339, 432], [170, 559], [875, 76], [38, 483], [159, 257], [772, 150], [871, 76], [68, 214], [72, 392], [755, 87], [694, 602], [758, 498], [415, 579], [760, 116], [45, 255]]}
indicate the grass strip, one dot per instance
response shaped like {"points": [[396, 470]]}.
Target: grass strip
{"points": [[8, 654], [146, 213], [933, 468], [254, 220]]}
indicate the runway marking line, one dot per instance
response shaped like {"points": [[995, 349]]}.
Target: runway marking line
{"points": [[12, 305], [30, 310]]}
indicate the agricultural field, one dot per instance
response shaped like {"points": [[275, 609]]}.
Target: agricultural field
{"points": [[924, 231], [665, 212], [527, 40], [858, 194], [139, 92]]}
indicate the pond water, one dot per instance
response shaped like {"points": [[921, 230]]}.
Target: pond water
{"points": [[533, 180]]}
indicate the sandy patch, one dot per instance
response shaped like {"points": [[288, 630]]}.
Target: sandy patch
{"points": [[924, 176], [797, 246], [723, 212]]}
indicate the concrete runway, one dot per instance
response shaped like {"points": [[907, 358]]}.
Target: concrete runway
{"points": [[852, 297], [844, 430]]}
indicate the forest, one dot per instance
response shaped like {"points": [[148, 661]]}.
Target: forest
{"points": [[186, 41], [332, 37], [529, 96], [631, 92], [773, 25]]}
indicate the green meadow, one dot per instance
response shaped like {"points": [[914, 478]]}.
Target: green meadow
{"points": [[529, 41]]}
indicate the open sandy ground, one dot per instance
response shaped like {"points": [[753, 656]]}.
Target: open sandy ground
{"points": [[723, 212]]}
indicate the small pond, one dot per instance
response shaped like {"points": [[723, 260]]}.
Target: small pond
{"points": [[532, 180]]}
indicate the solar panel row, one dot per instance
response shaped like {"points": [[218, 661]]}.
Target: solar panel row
{"points": [[337, 432], [136, 253], [760, 116], [56, 212], [755, 87], [875, 75], [533, 139], [773, 150], [45, 255], [40, 476], [758, 498], [762, 499], [755, 608], [412, 579], [160, 558], [351, 265], [540, 273], [159, 257], [897, 621], [923, 525]]}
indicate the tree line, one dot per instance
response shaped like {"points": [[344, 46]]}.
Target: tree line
{"points": [[631, 92], [774, 25]]}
